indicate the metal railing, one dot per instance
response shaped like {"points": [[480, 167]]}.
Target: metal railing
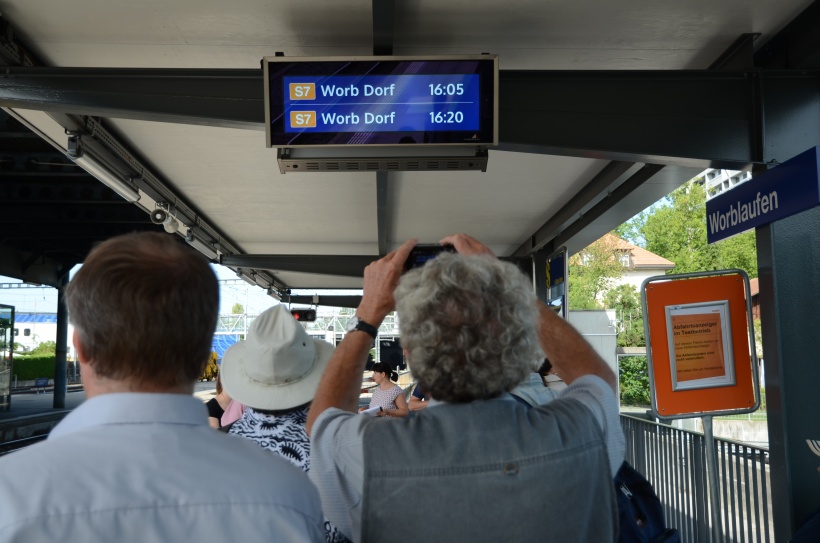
{"points": [[674, 461], [17, 444]]}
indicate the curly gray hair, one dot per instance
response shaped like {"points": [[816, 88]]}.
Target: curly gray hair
{"points": [[469, 326]]}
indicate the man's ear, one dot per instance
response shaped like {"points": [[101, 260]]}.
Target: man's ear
{"points": [[78, 346]]}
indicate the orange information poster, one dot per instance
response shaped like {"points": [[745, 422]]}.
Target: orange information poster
{"points": [[700, 347], [700, 344]]}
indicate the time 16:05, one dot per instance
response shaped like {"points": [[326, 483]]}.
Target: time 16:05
{"points": [[446, 117], [450, 89]]}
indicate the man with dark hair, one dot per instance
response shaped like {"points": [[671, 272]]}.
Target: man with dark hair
{"points": [[492, 468], [137, 461]]}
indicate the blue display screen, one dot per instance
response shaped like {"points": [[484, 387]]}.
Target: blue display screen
{"points": [[383, 101]]}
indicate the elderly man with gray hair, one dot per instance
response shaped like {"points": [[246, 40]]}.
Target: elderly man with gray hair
{"points": [[492, 468]]}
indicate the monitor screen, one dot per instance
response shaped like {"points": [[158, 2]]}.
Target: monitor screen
{"points": [[381, 101]]}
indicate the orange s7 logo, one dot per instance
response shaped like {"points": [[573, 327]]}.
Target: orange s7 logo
{"points": [[303, 119], [303, 91]]}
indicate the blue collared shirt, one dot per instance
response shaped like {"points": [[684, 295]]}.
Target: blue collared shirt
{"points": [[147, 467]]}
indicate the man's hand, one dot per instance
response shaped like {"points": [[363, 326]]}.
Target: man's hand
{"points": [[341, 383], [467, 245], [380, 280]]}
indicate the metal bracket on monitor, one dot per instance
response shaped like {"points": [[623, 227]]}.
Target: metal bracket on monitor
{"points": [[381, 159]]}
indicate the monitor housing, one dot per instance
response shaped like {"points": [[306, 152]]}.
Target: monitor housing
{"points": [[381, 113]]}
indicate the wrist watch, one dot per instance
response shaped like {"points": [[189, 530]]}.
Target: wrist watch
{"points": [[355, 323]]}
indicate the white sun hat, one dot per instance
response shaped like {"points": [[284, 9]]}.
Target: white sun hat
{"points": [[278, 366]]}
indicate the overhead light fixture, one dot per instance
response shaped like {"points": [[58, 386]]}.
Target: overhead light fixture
{"points": [[200, 246], [273, 294], [106, 177], [161, 216], [247, 277]]}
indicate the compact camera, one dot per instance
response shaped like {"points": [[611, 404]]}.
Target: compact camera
{"points": [[423, 252]]}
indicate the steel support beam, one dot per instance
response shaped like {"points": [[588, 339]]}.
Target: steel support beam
{"points": [[796, 46], [788, 256], [583, 199], [384, 22], [60, 365], [689, 118], [382, 180], [330, 301], [342, 265], [215, 97]]}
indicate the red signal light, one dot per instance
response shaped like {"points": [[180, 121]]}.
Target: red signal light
{"points": [[304, 315]]}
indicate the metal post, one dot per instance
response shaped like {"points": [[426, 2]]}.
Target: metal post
{"points": [[60, 385], [711, 474]]}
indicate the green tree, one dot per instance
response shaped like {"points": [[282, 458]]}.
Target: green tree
{"points": [[632, 230], [626, 302], [739, 251], [676, 230], [633, 380], [592, 272], [237, 309], [46, 347]]}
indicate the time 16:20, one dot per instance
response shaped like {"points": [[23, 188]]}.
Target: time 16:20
{"points": [[450, 89], [446, 117]]}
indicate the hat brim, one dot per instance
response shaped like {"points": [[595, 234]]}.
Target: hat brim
{"points": [[242, 388]]}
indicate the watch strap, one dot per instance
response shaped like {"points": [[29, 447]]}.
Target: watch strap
{"points": [[366, 327]]}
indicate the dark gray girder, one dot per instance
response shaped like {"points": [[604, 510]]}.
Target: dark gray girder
{"points": [[384, 22], [382, 181], [570, 212], [344, 265], [215, 97], [690, 118], [330, 301]]}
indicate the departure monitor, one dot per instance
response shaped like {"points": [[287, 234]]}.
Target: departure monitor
{"points": [[365, 101]]}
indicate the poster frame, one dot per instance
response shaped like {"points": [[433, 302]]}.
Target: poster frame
{"points": [[668, 403]]}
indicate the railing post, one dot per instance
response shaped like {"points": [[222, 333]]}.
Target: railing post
{"points": [[711, 474], [699, 474]]}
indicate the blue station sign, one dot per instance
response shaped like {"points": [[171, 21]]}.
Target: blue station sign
{"points": [[790, 188]]}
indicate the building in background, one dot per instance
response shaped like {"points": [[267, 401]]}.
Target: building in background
{"points": [[639, 264], [719, 181]]}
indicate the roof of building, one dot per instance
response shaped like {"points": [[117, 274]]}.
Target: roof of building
{"points": [[641, 258], [754, 286]]}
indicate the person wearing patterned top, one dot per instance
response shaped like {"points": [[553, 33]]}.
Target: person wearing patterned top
{"points": [[388, 395], [275, 372]]}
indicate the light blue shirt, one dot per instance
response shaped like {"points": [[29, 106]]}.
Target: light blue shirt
{"points": [[533, 391], [337, 450], [147, 467]]}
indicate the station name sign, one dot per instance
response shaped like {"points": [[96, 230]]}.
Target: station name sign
{"points": [[381, 101], [790, 188]]}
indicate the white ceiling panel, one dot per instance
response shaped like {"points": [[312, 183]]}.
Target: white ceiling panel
{"points": [[233, 180]]}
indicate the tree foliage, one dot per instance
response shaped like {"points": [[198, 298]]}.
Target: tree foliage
{"points": [[592, 272], [633, 380], [677, 232], [237, 309], [739, 251], [632, 230], [45, 348], [626, 302]]}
